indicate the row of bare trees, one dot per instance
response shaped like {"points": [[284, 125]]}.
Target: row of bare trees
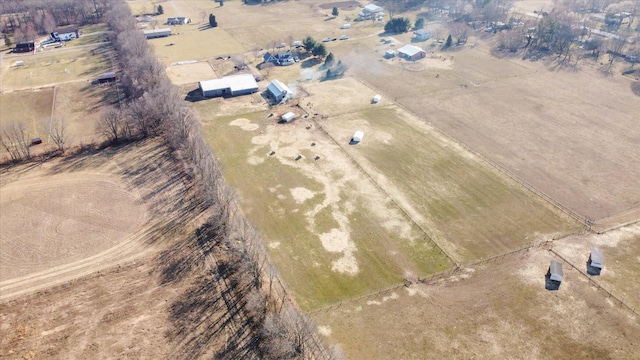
{"points": [[152, 106]]}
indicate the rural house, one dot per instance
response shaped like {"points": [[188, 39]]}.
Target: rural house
{"points": [[180, 20], [279, 91], [282, 58], [157, 33], [233, 85], [411, 52], [422, 34], [24, 47], [370, 11]]}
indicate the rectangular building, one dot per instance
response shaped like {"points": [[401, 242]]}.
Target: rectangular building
{"points": [[157, 33], [233, 85]]}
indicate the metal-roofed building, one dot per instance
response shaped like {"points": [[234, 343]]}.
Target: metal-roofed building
{"points": [[596, 258], [555, 271], [279, 91], [156, 33], [233, 85], [411, 52]]}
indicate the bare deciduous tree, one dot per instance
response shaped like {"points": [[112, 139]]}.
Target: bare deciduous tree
{"points": [[56, 128], [111, 124], [14, 139]]}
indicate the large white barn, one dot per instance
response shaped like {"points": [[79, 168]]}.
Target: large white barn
{"points": [[233, 85], [279, 91]]}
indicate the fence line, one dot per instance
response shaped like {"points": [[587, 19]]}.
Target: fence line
{"points": [[598, 285], [580, 218], [428, 234]]}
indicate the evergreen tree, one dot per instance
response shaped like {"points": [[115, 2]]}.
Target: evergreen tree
{"points": [[335, 11], [397, 25], [329, 60], [449, 41], [319, 50], [160, 10], [419, 23], [309, 43], [212, 20]]}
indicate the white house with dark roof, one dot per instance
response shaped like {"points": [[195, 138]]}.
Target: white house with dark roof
{"points": [[233, 85], [370, 11], [282, 58]]}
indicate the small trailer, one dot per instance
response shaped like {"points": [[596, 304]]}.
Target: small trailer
{"points": [[357, 137], [288, 117], [555, 271], [376, 99]]}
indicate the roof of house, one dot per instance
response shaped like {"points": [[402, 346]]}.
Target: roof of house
{"points": [[372, 8], [410, 50], [276, 87], [107, 75], [233, 82]]}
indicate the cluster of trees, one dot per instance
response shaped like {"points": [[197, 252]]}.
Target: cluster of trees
{"points": [[154, 107], [335, 69], [315, 48], [212, 21], [397, 25], [27, 19]]}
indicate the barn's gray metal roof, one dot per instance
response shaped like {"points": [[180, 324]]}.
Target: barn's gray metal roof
{"points": [[276, 87], [233, 82], [597, 256], [409, 50], [555, 268], [158, 31]]}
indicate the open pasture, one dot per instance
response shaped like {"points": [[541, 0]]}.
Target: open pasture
{"points": [[572, 140], [190, 73], [332, 233], [500, 309], [28, 107], [62, 65], [468, 208]]}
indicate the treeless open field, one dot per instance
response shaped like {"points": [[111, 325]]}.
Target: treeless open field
{"points": [[70, 217], [181, 74], [497, 310], [29, 107]]}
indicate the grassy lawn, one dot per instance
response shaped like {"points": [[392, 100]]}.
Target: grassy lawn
{"points": [[265, 188], [29, 107], [478, 213], [60, 66]]}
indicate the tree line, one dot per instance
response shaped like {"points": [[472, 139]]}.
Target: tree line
{"points": [[153, 107]]}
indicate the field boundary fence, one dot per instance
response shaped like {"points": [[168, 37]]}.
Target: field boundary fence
{"points": [[599, 286]]}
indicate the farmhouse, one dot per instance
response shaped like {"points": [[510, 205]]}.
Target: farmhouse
{"points": [[279, 91], [555, 271], [422, 34], [229, 86], [157, 33], [65, 34], [369, 12], [106, 77], [24, 47], [180, 20], [411, 52], [282, 58]]}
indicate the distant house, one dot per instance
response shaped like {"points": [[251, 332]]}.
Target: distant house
{"points": [[157, 33], [233, 85], [282, 58], [369, 12], [180, 20], [279, 91], [555, 271], [411, 52], [24, 47], [422, 34], [106, 77]]}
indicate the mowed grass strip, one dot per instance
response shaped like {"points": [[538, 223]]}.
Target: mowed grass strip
{"points": [[382, 257], [58, 66], [460, 199]]}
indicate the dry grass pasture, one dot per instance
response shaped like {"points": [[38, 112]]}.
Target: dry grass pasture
{"points": [[181, 74], [26, 106], [499, 310]]}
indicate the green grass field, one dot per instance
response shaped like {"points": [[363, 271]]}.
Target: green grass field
{"points": [[463, 201], [382, 256], [57, 67]]}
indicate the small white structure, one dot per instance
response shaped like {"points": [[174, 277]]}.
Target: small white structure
{"points": [[376, 99], [596, 258], [346, 26], [229, 86], [279, 91], [288, 117], [411, 52], [370, 11], [422, 34], [19, 63], [389, 54], [357, 136], [157, 33], [555, 271]]}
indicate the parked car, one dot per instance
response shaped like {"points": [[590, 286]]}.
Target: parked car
{"points": [[326, 40], [344, 37]]}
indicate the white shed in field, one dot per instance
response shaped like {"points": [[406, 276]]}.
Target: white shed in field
{"points": [[357, 136], [555, 271], [597, 258], [346, 26], [233, 85], [288, 117], [376, 99]]}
